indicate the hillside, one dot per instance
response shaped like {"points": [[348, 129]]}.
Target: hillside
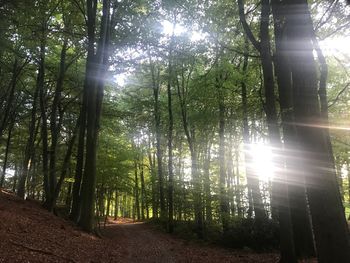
{"points": [[31, 234]]}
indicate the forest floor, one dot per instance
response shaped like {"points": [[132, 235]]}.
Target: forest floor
{"points": [[28, 233]]}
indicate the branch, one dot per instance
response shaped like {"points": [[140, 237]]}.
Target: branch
{"points": [[246, 27], [337, 97], [330, 9]]}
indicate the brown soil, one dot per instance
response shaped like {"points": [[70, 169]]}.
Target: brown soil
{"points": [[28, 233]]}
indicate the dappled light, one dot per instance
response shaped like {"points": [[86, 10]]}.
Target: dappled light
{"points": [[174, 129]]}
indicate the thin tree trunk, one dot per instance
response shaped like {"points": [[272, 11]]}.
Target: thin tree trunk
{"points": [[143, 192], [170, 144], [4, 166], [65, 167], [10, 98], [254, 193], [116, 205], [191, 140], [208, 198], [55, 125], [31, 138], [136, 192], [224, 207]]}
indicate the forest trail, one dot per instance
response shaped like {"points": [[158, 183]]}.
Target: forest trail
{"points": [[31, 234], [142, 242]]}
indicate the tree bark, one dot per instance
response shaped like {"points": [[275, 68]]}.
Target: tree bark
{"points": [[328, 218], [302, 232]]}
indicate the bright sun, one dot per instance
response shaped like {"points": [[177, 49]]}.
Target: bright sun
{"points": [[262, 161]]}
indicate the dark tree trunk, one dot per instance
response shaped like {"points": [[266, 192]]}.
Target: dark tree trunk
{"points": [[94, 104], [279, 197], [65, 167], [55, 126], [302, 233], [31, 138], [75, 210], [328, 219], [9, 102], [4, 166]]}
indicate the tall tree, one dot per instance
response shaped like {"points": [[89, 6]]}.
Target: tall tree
{"points": [[332, 239]]}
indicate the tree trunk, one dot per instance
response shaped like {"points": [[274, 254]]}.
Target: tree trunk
{"points": [[170, 146], [328, 219], [8, 141], [191, 140], [116, 206], [254, 193], [136, 192], [224, 207], [31, 138], [302, 233], [65, 166], [156, 90], [55, 125], [94, 104], [143, 193], [208, 198], [9, 101]]}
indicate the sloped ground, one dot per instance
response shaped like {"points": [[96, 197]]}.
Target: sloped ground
{"points": [[28, 233]]}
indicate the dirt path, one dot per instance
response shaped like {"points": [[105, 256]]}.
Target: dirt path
{"points": [[143, 243], [31, 234], [140, 242]]}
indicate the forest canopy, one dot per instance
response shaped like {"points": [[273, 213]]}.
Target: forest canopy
{"points": [[226, 119]]}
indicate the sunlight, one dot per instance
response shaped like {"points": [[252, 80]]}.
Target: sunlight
{"points": [[262, 161], [336, 46], [120, 79], [168, 28]]}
